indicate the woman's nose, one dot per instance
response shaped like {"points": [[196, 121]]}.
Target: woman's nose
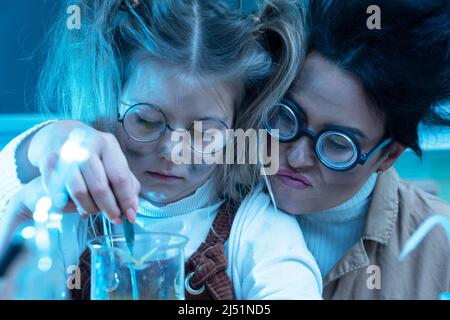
{"points": [[301, 153]]}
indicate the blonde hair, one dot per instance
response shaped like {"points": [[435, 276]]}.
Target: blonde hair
{"points": [[284, 26], [86, 69]]}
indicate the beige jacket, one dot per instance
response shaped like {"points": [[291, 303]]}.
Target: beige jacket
{"points": [[372, 270]]}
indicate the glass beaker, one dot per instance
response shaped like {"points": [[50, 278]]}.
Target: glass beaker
{"points": [[154, 272]]}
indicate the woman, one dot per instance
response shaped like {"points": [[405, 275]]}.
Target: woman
{"points": [[355, 107]]}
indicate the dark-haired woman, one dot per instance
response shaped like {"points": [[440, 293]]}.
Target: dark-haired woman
{"points": [[354, 109]]}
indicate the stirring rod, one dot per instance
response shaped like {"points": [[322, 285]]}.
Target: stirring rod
{"points": [[128, 230]]}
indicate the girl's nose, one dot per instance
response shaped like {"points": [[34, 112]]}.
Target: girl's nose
{"points": [[301, 153], [173, 140]]}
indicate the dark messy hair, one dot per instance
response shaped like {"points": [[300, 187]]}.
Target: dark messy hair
{"points": [[404, 66]]}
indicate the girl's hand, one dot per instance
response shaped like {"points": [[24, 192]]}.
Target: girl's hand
{"points": [[103, 182]]}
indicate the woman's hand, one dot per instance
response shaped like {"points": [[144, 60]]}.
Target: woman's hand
{"points": [[103, 182], [16, 215], [19, 211]]}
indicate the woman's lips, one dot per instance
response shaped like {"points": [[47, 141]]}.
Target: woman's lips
{"points": [[164, 176], [293, 180]]}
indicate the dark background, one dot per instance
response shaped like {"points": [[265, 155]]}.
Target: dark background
{"points": [[23, 24]]}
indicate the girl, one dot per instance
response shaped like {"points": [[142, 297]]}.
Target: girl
{"points": [[140, 71]]}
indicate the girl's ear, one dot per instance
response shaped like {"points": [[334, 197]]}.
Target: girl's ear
{"points": [[394, 152]]}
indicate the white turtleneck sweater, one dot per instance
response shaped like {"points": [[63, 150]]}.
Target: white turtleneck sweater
{"points": [[267, 255], [331, 233], [191, 216]]}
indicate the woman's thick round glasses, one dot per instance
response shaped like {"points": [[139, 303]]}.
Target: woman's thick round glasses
{"points": [[146, 123], [335, 148]]}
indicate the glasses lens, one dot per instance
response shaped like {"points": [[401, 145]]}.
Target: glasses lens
{"points": [[283, 119], [144, 123], [208, 136], [337, 150]]}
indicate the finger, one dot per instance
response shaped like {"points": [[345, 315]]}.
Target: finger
{"points": [[121, 178], [54, 181], [70, 207], [132, 213], [137, 190], [31, 193], [79, 193], [99, 188], [47, 169]]}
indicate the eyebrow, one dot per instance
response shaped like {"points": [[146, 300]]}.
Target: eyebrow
{"points": [[355, 131], [215, 117]]}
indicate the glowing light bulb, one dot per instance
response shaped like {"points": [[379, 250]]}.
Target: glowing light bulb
{"points": [[45, 263], [42, 239], [42, 207], [55, 221], [72, 151], [28, 232]]}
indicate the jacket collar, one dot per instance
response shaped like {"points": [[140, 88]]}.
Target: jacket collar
{"points": [[381, 219], [383, 208]]}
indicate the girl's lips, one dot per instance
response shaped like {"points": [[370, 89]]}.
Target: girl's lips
{"points": [[293, 180], [163, 176]]}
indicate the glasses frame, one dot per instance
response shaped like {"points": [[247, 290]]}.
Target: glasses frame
{"points": [[165, 125], [358, 158]]}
